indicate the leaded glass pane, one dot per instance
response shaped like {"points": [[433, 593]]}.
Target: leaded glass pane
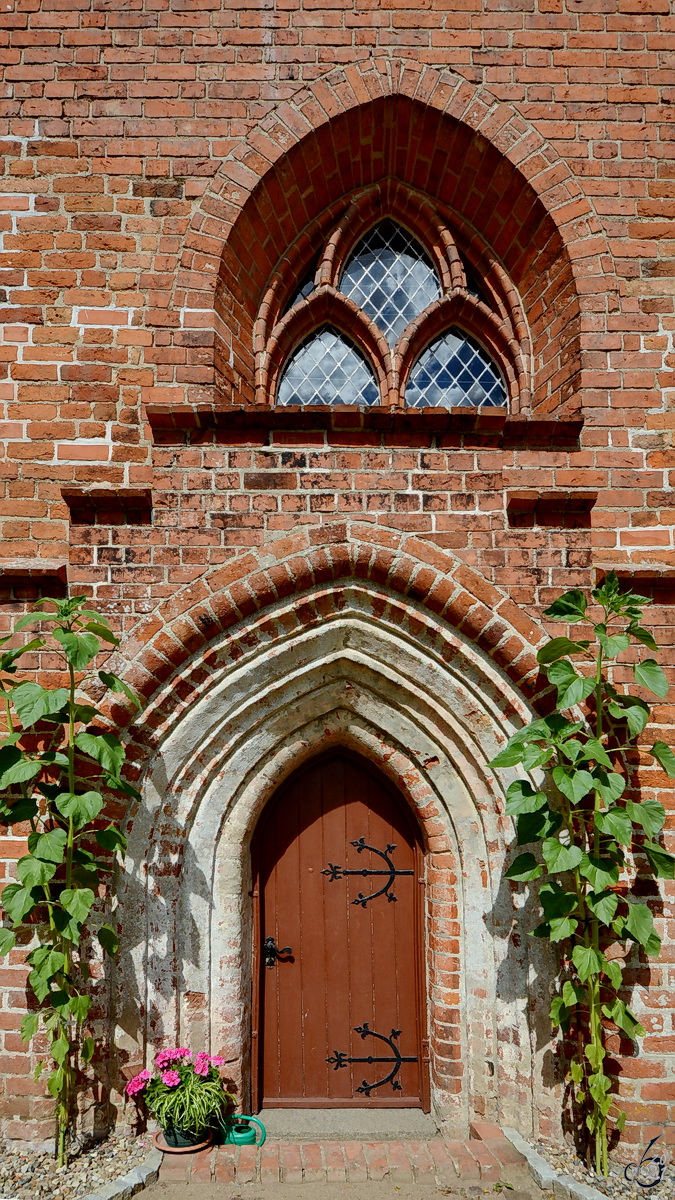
{"points": [[327, 369], [454, 371], [304, 289], [390, 277]]}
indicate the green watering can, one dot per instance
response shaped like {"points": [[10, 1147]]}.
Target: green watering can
{"points": [[240, 1131]]}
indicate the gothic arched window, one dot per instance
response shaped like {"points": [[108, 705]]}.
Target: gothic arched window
{"points": [[388, 316]]}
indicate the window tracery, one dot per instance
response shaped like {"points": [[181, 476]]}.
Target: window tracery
{"points": [[391, 313]]}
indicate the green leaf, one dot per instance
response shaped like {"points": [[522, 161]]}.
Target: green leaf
{"points": [[637, 718], [562, 927], [573, 784], [594, 751], [33, 702], [612, 969], [17, 902], [662, 863], [558, 1011], [536, 756], [571, 607], [19, 810], [28, 619], [524, 868], [665, 757], [609, 784], [29, 1026], [649, 814], [617, 824], [576, 1071], [32, 871], [603, 905], [643, 635], [621, 1015], [102, 631], [559, 857], [15, 767], [572, 687], [639, 923], [80, 648], [555, 901], [595, 1054], [110, 838], [59, 1050], [79, 1006], [7, 941], [573, 995], [510, 756], [118, 685], [48, 964], [77, 902], [636, 713], [557, 647], [50, 846], [587, 961], [614, 645], [521, 797], [600, 872], [88, 1048], [531, 827], [108, 939], [650, 675], [104, 748], [82, 808], [55, 1083], [39, 1068]]}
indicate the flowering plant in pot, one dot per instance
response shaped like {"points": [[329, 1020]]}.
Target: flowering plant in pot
{"points": [[184, 1093]]}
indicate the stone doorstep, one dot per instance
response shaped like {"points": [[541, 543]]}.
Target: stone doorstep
{"points": [[484, 1158]]}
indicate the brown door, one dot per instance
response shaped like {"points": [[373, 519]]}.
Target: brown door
{"points": [[338, 1020]]}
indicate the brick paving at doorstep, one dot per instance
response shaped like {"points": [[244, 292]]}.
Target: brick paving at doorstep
{"points": [[435, 1163]]}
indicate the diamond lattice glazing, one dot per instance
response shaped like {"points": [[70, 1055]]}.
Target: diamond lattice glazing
{"points": [[327, 369], [303, 290], [390, 277], [454, 371]]}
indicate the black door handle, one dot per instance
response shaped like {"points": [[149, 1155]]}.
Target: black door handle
{"points": [[272, 952]]}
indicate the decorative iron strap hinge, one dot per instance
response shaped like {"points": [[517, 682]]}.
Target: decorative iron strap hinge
{"points": [[340, 1058], [391, 872]]}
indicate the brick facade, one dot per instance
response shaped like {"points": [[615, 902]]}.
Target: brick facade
{"points": [[170, 167]]}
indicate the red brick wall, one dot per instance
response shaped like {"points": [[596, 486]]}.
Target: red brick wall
{"points": [[161, 156]]}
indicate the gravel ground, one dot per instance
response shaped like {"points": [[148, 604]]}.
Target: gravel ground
{"points": [[338, 1191], [563, 1159], [30, 1175]]}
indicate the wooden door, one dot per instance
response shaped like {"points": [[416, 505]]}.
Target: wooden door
{"points": [[338, 1018]]}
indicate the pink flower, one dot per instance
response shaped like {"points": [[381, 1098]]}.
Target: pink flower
{"points": [[202, 1063], [138, 1083], [164, 1057], [217, 1061], [171, 1078]]}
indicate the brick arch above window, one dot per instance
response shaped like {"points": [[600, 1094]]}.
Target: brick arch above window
{"points": [[424, 284], [503, 190]]}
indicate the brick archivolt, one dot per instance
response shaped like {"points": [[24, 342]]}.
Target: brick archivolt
{"points": [[513, 205], [176, 639], [350, 664]]}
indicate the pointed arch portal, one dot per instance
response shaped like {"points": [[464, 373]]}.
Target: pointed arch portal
{"points": [[355, 669]]}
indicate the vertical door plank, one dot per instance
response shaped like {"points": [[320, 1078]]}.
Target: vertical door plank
{"points": [[352, 964]]}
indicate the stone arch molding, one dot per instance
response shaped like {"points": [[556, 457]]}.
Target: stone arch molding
{"points": [[429, 709], [224, 253]]}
